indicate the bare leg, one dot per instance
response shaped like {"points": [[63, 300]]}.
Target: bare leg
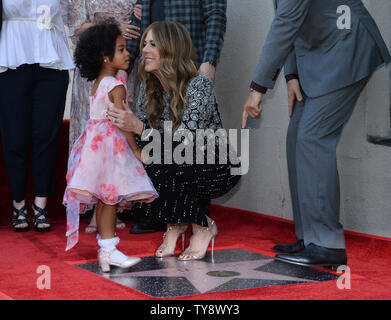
{"points": [[105, 220], [19, 205], [91, 228]]}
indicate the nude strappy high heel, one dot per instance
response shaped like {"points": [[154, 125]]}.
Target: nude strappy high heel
{"points": [[162, 251], [190, 254]]}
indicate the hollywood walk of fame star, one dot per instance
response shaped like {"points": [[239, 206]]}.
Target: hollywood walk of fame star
{"points": [[204, 276]]}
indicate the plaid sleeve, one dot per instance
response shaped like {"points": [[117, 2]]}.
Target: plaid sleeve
{"points": [[216, 20], [133, 45]]}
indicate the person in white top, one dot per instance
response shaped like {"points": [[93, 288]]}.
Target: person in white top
{"points": [[34, 73]]}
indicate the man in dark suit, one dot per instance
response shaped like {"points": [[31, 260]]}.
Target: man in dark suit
{"points": [[330, 50]]}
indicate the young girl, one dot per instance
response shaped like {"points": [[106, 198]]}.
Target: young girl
{"points": [[104, 166]]}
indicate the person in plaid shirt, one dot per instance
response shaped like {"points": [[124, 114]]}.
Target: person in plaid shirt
{"points": [[204, 19]]}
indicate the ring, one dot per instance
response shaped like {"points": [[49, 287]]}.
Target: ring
{"points": [[115, 120], [127, 30]]}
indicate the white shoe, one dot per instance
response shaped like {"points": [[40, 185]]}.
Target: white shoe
{"points": [[105, 261]]}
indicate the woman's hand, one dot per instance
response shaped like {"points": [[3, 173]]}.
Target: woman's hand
{"points": [[125, 120], [294, 94], [137, 11], [83, 28], [129, 31]]}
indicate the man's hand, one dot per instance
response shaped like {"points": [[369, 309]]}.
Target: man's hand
{"points": [[294, 94], [129, 31], [125, 120], [253, 107], [208, 70], [137, 11]]}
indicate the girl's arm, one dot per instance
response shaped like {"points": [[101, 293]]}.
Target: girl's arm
{"points": [[117, 96]]}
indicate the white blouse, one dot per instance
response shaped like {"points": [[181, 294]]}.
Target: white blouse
{"points": [[33, 32]]}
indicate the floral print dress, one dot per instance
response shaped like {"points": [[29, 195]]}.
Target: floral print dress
{"points": [[102, 166], [94, 11]]}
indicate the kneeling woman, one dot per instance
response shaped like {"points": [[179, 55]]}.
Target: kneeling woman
{"points": [[173, 91]]}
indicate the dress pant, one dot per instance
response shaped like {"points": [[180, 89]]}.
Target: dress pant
{"points": [[313, 134], [32, 103]]}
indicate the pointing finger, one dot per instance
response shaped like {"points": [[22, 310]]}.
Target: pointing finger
{"points": [[244, 119]]}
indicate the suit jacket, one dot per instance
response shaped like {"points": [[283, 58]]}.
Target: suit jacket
{"points": [[304, 35], [204, 19]]}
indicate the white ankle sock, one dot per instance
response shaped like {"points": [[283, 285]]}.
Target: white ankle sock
{"points": [[109, 245]]}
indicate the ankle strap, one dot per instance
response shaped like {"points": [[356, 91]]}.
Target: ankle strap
{"points": [[21, 210], [35, 207]]}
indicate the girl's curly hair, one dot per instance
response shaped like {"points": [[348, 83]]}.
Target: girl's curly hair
{"points": [[93, 44]]}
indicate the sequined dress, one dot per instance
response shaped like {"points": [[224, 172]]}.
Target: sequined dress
{"points": [[81, 11], [185, 190]]}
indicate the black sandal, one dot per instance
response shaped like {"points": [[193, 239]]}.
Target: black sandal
{"points": [[38, 220], [17, 222]]}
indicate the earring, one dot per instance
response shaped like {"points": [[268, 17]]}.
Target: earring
{"points": [[105, 60]]}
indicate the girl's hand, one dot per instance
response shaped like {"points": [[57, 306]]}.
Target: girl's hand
{"points": [[137, 153], [125, 120], [137, 11], [142, 156], [129, 31]]}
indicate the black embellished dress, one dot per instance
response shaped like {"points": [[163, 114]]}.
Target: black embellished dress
{"points": [[185, 189]]}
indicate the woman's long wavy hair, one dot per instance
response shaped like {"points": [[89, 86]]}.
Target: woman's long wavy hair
{"points": [[177, 67]]}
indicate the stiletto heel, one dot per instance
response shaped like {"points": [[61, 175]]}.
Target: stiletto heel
{"points": [[160, 252], [189, 254], [213, 249]]}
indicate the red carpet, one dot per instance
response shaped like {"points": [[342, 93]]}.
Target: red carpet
{"points": [[21, 254]]}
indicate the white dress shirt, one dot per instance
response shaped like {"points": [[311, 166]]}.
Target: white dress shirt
{"points": [[33, 32]]}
